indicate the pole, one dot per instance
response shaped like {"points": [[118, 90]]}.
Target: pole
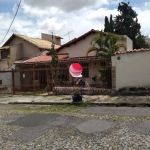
{"points": [[33, 79], [13, 81]]}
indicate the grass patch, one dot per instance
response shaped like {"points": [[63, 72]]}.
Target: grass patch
{"points": [[62, 109]]}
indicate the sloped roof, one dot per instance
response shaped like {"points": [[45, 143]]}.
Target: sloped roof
{"points": [[133, 51], [75, 40], [41, 59], [43, 44]]}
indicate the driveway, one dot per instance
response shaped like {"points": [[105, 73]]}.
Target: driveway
{"points": [[92, 128]]}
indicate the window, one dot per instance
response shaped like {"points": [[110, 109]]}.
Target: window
{"points": [[85, 72], [5, 53]]}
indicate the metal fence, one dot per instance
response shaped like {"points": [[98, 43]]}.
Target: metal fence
{"points": [[5, 82], [96, 79]]}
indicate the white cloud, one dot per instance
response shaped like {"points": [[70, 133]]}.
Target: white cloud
{"points": [[143, 13], [39, 13], [64, 5], [14, 8], [99, 15], [61, 16], [51, 24]]}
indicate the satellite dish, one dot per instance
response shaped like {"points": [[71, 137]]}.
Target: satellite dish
{"points": [[75, 70]]}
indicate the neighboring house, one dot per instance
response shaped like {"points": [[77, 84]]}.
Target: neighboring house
{"points": [[21, 47]]}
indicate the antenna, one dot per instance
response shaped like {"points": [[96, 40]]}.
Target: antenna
{"points": [[68, 34]]}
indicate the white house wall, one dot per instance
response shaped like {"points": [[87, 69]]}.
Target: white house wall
{"points": [[133, 69], [129, 42], [79, 49]]}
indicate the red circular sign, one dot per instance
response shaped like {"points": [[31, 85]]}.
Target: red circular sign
{"points": [[75, 70]]}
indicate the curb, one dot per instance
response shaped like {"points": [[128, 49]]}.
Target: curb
{"points": [[88, 103]]}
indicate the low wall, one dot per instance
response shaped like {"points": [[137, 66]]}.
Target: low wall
{"points": [[132, 69], [79, 90]]}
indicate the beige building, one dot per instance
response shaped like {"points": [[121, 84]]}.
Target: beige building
{"points": [[22, 47]]}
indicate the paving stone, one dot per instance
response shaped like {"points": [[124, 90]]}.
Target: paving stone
{"points": [[34, 120], [95, 125], [141, 127]]}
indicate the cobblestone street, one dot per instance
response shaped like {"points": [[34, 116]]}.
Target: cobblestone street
{"points": [[84, 129]]}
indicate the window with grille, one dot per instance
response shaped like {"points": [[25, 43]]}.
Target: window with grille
{"points": [[4, 54]]}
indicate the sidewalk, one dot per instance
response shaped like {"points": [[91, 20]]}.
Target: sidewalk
{"points": [[67, 99]]}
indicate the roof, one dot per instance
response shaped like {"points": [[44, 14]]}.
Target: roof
{"points": [[4, 47], [75, 40], [133, 51], [43, 44], [41, 59]]}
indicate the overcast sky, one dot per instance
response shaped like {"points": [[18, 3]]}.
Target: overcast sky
{"points": [[62, 16]]}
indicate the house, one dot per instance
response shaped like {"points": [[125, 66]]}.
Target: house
{"points": [[73, 51], [20, 47], [78, 46]]}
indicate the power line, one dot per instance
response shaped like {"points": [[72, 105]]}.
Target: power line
{"points": [[12, 21]]}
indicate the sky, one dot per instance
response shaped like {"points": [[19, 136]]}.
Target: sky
{"points": [[62, 16]]}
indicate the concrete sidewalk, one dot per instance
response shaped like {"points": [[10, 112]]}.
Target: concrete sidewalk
{"points": [[67, 99]]}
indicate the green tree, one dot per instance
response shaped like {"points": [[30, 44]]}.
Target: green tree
{"points": [[109, 25], [53, 53], [54, 64], [105, 45], [126, 23]]}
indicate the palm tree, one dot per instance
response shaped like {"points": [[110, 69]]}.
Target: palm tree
{"points": [[104, 45]]}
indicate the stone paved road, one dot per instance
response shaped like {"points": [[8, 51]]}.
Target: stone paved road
{"points": [[95, 128]]}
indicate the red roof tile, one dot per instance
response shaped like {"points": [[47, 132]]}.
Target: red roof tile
{"points": [[133, 51], [41, 59]]}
